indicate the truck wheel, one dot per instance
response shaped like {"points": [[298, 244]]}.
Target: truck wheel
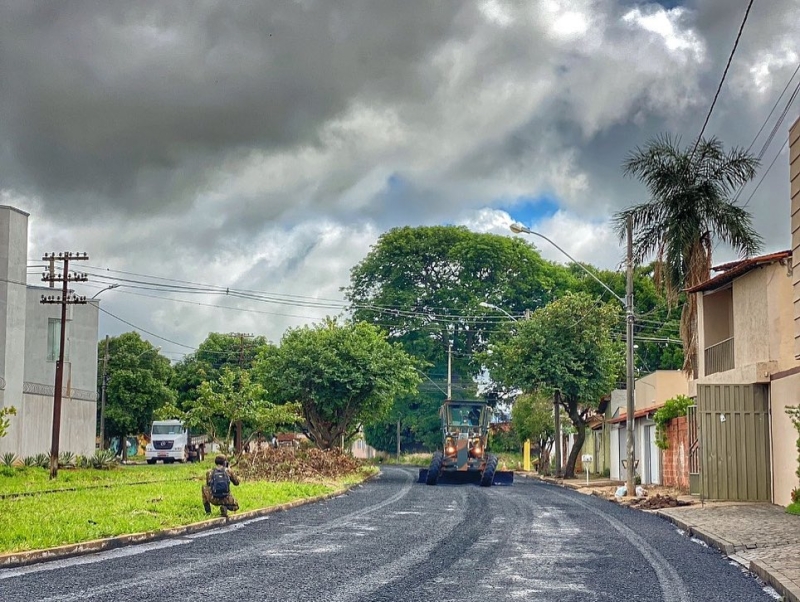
{"points": [[434, 469], [488, 471], [151, 460]]}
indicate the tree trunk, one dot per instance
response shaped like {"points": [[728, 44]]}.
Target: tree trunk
{"points": [[580, 425]]}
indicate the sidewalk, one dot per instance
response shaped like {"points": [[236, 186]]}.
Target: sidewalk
{"points": [[761, 537]]}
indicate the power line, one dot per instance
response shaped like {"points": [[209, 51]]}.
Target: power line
{"points": [[722, 81], [764, 175]]}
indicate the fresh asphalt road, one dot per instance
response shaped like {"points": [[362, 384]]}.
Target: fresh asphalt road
{"points": [[392, 539]]}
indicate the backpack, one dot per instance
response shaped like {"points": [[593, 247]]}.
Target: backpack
{"points": [[220, 483]]}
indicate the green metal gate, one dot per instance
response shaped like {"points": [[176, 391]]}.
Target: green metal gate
{"points": [[734, 444]]}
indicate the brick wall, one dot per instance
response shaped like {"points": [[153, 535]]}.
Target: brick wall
{"points": [[676, 457]]}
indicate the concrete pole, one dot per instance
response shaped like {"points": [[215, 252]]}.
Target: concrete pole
{"points": [[629, 318], [56, 434], [103, 385]]}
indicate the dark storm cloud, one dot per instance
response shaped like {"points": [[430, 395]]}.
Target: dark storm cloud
{"points": [[131, 103]]}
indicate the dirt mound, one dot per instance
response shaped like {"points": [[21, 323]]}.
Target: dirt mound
{"points": [[289, 464], [658, 501]]}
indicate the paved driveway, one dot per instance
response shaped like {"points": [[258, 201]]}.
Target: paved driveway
{"points": [[393, 539]]}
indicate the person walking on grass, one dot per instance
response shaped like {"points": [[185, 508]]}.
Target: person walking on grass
{"points": [[217, 490]]}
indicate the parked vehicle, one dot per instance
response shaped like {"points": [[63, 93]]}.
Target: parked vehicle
{"points": [[171, 441]]}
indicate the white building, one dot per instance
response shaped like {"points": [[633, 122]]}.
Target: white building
{"points": [[29, 346]]}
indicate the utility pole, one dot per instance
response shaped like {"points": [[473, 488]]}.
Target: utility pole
{"points": [[66, 299], [629, 319], [557, 437], [103, 385], [241, 336], [398, 439], [450, 371]]}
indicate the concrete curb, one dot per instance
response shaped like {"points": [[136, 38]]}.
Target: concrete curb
{"points": [[17, 559], [770, 575]]}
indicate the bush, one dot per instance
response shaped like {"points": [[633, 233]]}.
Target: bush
{"points": [[9, 459], [29, 461], [103, 459], [796, 495], [673, 408], [66, 459], [42, 460]]}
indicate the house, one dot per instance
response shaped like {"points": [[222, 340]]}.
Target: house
{"points": [[29, 347], [650, 393]]}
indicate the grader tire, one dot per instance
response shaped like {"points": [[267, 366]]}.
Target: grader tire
{"points": [[434, 469], [488, 471]]}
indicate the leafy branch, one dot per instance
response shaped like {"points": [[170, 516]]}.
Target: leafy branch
{"points": [[673, 408]]}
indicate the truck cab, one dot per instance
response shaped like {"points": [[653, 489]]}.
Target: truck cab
{"points": [[169, 442]]}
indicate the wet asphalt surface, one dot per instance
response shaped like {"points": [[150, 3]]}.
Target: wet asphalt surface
{"points": [[392, 539]]}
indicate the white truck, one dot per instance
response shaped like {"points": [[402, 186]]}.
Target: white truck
{"points": [[170, 441]]}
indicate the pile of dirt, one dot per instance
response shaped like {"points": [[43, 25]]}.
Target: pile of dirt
{"points": [[290, 464], [658, 501]]}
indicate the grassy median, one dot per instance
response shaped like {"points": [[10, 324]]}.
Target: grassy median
{"points": [[124, 500]]}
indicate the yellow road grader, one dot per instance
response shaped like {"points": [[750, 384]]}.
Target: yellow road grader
{"points": [[463, 457]]}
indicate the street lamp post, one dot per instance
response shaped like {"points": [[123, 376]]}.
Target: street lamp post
{"points": [[102, 290], [629, 319], [500, 309]]}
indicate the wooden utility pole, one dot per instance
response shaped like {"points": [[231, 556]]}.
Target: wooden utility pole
{"points": [[238, 436], [67, 298]]}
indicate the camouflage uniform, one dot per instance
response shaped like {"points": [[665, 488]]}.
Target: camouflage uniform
{"points": [[227, 503]]}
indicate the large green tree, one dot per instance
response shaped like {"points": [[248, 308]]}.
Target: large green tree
{"points": [[137, 384], [217, 352], [689, 211], [425, 286], [567, 348], [232, 398], [343, 375]]}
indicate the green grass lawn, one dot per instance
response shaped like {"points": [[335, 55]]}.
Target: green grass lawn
{"points": [[170, 498], [794, 508]]}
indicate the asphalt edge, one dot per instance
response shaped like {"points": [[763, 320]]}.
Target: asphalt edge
{"points": [[18, 559], [767, 574]]}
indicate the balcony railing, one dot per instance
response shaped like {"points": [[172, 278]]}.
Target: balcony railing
{"points": [[719, 357]]}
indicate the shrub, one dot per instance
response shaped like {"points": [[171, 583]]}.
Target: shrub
{"points": [[65, 459], [42, 460], [796, 495], [29, 461], [673, 408], [103, 459], [9, 459]]}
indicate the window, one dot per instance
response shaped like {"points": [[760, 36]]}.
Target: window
{"points": [[53, 340]]}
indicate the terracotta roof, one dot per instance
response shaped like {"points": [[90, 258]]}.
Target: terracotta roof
{"points": [[734, 269], [637, 414]]}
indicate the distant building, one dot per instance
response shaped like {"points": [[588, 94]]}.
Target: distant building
{"points": [[29, 347]]}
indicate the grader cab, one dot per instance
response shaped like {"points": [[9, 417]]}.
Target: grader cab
{"points": [[463, 457]]}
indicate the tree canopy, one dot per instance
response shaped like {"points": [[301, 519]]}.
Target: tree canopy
{"points": [[137, 384], [343, 375], [689, 211], [567, 348]]}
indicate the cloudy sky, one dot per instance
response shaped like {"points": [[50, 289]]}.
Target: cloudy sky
{"points": [[264, 146]]}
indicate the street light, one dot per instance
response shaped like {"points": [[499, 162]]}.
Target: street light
{"points": [[629, 318], [102, 290], [103, 385], [500, 309]]}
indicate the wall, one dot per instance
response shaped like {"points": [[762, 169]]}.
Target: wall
{"points": [[675, 458], [13, 269], [794, 191], [784, 392], [718, 323]]}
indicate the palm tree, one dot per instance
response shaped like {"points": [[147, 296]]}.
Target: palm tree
{"points": [[688, 213]]}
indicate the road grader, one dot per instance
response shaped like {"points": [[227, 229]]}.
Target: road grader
{"points": [[463, 457]]}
